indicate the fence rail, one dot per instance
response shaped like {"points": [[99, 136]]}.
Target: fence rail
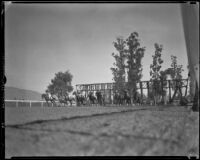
{"points": [[25, 103]]}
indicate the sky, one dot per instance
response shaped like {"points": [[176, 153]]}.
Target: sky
{"points": [[43, 39]]}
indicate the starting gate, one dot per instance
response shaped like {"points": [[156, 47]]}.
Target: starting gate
{"points": [[107, 88]]}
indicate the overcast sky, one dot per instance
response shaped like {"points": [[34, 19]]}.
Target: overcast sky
{"points": [[42, 39]]}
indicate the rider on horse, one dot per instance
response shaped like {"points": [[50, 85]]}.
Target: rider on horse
{"points": [[92, 98]]}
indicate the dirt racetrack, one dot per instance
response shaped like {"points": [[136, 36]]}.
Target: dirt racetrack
{"points": [[101, 131]]}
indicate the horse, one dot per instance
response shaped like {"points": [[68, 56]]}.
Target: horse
{"points": [[115, 98], [79, 99], [137, 99], [65, 99], [48, 98], [127, 98], [92, 98], [104, 99], [62, 100], [118, 99], [100, 98], [70, 99]]}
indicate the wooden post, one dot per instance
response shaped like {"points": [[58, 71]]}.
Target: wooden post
{"points": [[180, 88], [186, 88], [176, 89], [110, 100], [191, 33], [162, 91], [169, 90], [141, 90], [148, 89], [111, 97], [104, 91], [195, 106]]}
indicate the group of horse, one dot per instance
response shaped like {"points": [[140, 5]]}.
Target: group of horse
{"points": [[125, 99], [76, 97], [55, 101], [90, 99]]}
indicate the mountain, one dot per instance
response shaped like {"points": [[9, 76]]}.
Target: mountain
{"points": [[12, 93]]}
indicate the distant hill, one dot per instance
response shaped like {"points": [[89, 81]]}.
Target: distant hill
{"points": [[12, 93]]}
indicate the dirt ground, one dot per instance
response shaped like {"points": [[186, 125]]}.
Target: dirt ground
{"points": [[114, 131]]}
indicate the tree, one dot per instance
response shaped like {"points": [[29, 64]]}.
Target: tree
{"points": [[177, 69], [134, 55], [157, 76], [119, 70], [61, 84], [176, 75]]}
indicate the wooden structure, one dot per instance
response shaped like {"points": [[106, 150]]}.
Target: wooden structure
{"points": [[107, 88]]}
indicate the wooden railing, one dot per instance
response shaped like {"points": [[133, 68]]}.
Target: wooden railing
{"points": [[28, 103]]}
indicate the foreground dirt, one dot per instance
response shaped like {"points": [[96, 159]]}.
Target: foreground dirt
{"points": [[172, 131]]}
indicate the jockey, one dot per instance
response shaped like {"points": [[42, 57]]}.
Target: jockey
{"points": [[104, 98], [53, 96], [49, 95]]}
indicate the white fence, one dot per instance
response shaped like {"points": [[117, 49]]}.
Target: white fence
{"points": [[30, 103], [26, 103]]}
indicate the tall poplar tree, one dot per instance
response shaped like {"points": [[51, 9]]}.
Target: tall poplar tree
{"points": [[156, 74], [176, 75], [134, 54], [118, 70]]}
